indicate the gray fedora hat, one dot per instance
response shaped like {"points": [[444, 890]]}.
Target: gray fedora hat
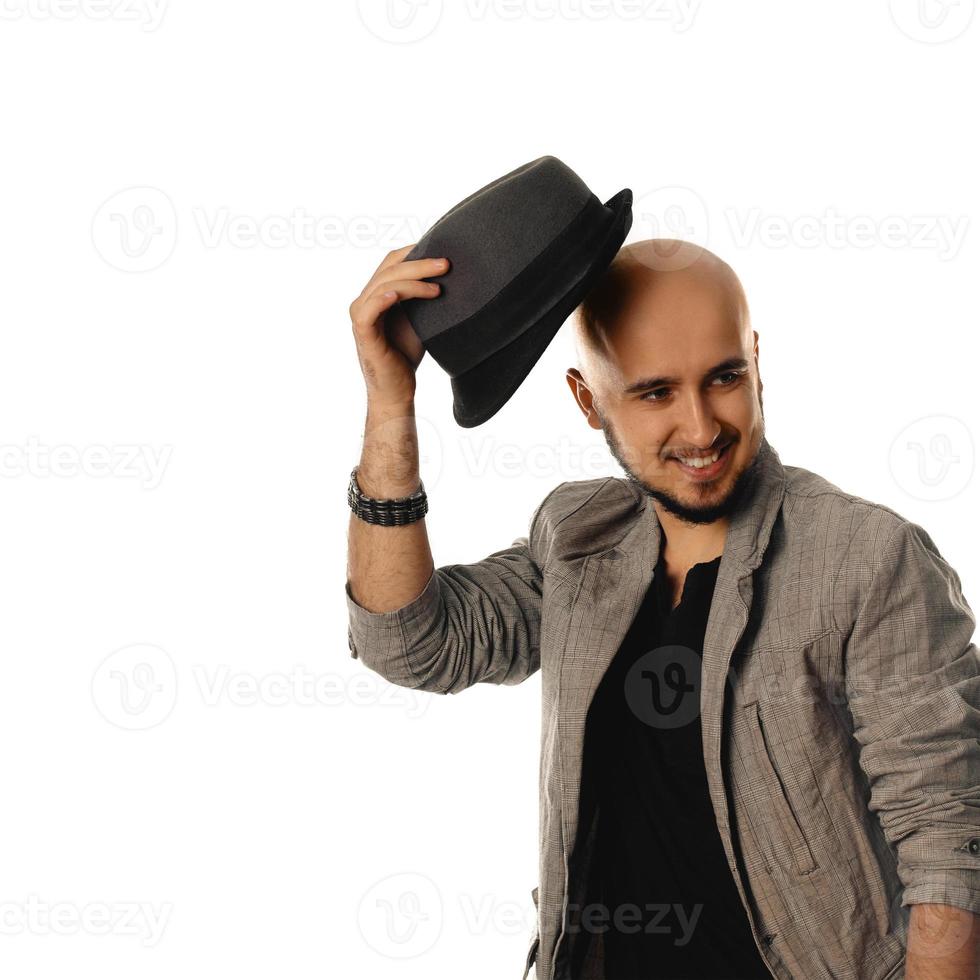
{"points": [[523, 252]]}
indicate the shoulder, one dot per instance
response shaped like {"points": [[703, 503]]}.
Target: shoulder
{"points": [[577, 516], [866, 546], [817, 508]]}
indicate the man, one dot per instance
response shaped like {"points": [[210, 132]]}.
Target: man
{"points": [[761, 728]]}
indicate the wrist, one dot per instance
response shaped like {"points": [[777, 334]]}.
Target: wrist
{"points": [[386, 511], [387, 486], [390, 408]]}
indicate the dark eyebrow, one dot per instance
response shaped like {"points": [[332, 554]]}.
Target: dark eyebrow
{"points": [[730, 364]]}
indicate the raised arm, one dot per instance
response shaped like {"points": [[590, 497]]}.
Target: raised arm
{"points": [[443, 629], [388, 566]]}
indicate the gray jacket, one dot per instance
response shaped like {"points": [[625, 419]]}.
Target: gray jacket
{"points": [[840, 704]]}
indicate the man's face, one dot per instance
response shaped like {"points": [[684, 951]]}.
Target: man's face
{"points": [[681, 380]]}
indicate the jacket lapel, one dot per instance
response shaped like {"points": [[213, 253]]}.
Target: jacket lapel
{"points": [[611, 589], [745, 544]]}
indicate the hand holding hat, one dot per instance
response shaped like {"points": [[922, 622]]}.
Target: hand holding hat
{"points": [[523, 252], [388, 348]]}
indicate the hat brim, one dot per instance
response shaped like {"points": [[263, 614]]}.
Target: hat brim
{"points": [[478, 394]]}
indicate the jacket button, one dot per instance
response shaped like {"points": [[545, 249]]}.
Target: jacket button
{"points": [[767, 939], [974, 845]]}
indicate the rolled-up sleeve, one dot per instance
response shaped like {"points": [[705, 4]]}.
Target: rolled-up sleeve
{"points": [[913, 686], [472, 623]]}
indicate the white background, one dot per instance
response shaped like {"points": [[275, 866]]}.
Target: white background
{"points": [[181, 406]]}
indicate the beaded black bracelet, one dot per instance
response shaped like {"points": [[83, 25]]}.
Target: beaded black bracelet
{"points": [[389, 513]]}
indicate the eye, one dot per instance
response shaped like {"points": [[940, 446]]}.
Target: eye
{"points": [[733, 375]]}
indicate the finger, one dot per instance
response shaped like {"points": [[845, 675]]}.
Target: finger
{"points": [[366, 310], [395, 256], [415, 269]]}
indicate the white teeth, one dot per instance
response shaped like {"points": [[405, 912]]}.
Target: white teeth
{"points": [[700, 464]]}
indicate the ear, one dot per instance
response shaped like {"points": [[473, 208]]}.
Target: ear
{"points": [[576, 383], [583, 396]]}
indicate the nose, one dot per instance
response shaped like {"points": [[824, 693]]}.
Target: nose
{"points": [[697, 428]]}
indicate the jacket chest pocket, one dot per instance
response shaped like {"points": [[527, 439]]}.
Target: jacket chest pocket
{"points": [[774, 812]]}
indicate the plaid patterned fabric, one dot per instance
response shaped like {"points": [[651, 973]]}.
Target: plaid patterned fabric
{"points": [[840, 703]]}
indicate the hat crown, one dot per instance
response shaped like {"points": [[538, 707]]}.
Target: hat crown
{"points": [[523, 251], [493, 234]]}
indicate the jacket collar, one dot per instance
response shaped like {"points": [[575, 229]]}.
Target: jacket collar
{"points": [[749, 528]]}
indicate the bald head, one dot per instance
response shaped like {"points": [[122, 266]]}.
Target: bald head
{"points": [[668, 369], [659, 278]]}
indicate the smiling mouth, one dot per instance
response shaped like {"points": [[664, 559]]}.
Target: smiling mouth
{"points": [[707, 466]]}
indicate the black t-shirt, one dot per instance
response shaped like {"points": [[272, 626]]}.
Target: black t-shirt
{"points": [[665, 900]]}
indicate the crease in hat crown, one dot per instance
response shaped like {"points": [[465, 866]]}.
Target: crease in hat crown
{"points": [[522, 213]]}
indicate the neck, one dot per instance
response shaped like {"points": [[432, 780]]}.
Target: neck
{"points": [[687, 544]]}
